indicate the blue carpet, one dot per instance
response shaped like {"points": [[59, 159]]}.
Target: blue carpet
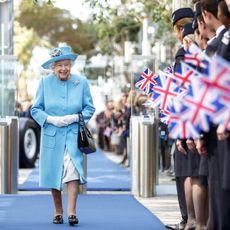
{"points": [[95, 212], [102, 174]]}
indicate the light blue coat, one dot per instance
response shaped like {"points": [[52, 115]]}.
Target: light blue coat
{"points": [[58, 98]]}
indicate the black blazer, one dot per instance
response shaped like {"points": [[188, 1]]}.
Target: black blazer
{"points": [[214, 46], [224, 49]]}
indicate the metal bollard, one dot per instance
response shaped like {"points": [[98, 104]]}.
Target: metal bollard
{"points": [[148, 156], [9, 155], [3, 158], [135, 154]]}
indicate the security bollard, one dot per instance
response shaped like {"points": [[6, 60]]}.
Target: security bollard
{"points": [[148, 156], [9, 155]]}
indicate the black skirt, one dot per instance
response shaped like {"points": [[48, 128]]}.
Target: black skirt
{"points": [[203, 169], [193, 163], [180, 163]]}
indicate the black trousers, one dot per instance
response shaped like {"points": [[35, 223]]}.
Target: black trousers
{"points": [[225, 205], [224, 167], [219, 186], [181, 197]]}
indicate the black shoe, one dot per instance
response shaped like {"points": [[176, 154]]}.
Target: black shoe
{"points": [[58, 219], [171, 226], [72, 220]]}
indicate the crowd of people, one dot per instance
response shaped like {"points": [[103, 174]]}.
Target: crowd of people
{"points": [[113, 123], [200, 166], [201, 171]]}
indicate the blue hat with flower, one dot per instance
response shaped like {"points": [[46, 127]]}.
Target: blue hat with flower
{"points": [[58, 54]]}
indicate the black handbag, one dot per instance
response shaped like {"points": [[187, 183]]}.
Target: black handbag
{"points": [[85, 141]]}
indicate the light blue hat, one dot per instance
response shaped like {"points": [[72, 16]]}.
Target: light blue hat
{"points": [[58, 54]]}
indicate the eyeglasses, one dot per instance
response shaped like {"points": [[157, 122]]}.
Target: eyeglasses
{"points": [[55, 52]]}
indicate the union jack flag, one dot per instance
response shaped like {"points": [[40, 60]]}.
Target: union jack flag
{"points": [[199, 102], [164, 117], [184, 74], [222, 115], [180, 128], [195, 56], [146, 81], [219, 76], [165, 91]]}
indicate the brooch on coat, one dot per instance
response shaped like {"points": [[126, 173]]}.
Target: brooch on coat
{"points": [[75, 83]]}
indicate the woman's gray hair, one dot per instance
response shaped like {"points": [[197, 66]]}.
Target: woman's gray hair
{"points": [[53, 63]]}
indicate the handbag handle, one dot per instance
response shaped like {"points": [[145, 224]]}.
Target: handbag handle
{"points": [[81, 119], [82, 124]]}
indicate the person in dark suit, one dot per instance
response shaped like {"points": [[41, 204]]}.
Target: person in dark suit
{"points": [[180, 17], [224, 17], [223, 135], [197, 177], [209, 9]]}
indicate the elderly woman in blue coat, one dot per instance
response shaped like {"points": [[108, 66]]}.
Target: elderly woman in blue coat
{"points": [[60, 97]]}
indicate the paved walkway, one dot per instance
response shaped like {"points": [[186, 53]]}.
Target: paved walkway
{"points": [[164, 206]]}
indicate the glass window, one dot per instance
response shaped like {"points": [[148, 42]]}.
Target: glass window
{"points": [[8, 84]]}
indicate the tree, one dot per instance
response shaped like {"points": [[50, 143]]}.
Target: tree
{"points": [[24, 42], [55, 26], [114, 24]]}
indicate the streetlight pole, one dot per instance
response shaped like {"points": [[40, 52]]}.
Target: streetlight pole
{"points": [[146, 49]]}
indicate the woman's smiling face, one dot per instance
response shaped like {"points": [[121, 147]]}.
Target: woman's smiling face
{"points": [[62, 69]]}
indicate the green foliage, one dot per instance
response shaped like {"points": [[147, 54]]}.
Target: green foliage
{"points": [[126, 27], [109, 26], [124, 23], [56, 26], [93, 73], [24, 42]]}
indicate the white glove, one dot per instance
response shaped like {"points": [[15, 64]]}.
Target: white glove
{"points": [[57, 121], [69, 119]]}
